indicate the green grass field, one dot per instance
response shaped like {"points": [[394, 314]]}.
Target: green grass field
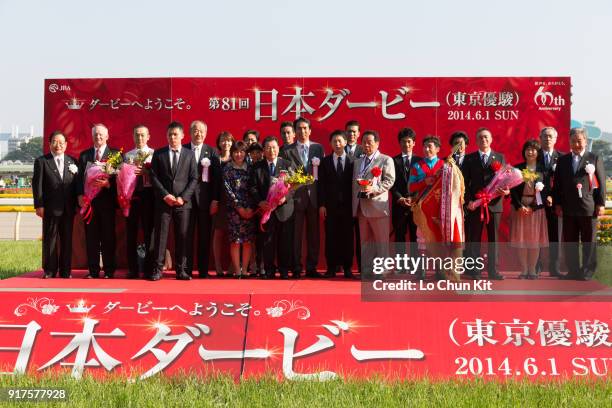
{"points": [[188, 391], [17, 257]]}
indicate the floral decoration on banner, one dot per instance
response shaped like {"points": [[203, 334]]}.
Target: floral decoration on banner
{"points": [[284, 307], [42, 305]]}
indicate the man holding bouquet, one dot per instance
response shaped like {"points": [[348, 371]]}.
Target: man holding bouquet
{"points": [[373, 177], [100, 228], [478, 170], [278, 230], [141, 206]]}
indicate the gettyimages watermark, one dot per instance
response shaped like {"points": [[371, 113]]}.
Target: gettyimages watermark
{"points": [[492, 272]]}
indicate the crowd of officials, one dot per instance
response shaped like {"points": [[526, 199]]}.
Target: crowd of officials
{"points": [[213, 196]]}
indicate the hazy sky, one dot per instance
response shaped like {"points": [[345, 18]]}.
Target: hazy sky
{"points": [[109, 38]]}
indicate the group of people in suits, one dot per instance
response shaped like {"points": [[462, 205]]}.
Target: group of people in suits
{"points": [[187, 183]]}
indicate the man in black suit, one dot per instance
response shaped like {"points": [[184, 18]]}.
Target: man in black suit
{"points": [[548, 160], [401, 213], [278, 234], [141, 206], [100, 232], [287, 133], [353, 147], [354, 150], [477, 173], [205, 200], [335, 206], [459, 141], [579, 199], [308, 155], [174, 175], [54, 187]]}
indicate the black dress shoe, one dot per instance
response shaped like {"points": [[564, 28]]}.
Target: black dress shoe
{"points": [[495, 276], [109, 275], [155, 276], [312, 274], [203, 275], [555, 275], [183, 276], [47, 275], [330, 274], [569, 276], [92, 275], [132, 275], [284, 275], [296, 274]]}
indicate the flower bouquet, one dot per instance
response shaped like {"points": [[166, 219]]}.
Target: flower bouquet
{"points": [[99, 170], [505, 177], [127, 179], [281, 187]]}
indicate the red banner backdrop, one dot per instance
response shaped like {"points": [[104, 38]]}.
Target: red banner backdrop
{"points": [[296, 336], [513, 108]]}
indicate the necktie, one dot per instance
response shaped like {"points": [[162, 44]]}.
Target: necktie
{"points": [[546, 160], [196, 153], [98, 155], [484, 160], [576, 163], [272, 168], [305, 156], [174, 160], [407, 163], [60, 168], [339, 166]]}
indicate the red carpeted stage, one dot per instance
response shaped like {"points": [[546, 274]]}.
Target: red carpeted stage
{"points": [[305, 328]]}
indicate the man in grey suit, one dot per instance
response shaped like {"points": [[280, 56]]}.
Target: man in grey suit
{"points": [[307, 154], [371, 201]]}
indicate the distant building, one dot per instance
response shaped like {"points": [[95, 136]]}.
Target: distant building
{"points": [[10, 141]]}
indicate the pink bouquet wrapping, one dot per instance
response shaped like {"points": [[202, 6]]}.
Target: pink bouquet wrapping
{"points": [[126, 184], [279, 190], [505, 177], [93, 174]]}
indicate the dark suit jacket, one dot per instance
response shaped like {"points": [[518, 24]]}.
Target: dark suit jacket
{"points": [[304, 194], [107, 198], [184, 181], [476, 177], [335, 193], [565, 192], [552, 165], [357, 153], [204, 193], [259, 184], [400, 187], [516, 193], [56, 195]]}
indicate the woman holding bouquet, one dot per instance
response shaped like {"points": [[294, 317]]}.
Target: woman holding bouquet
{"points": [[225, 141], [528, 229], [239, 205]]}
